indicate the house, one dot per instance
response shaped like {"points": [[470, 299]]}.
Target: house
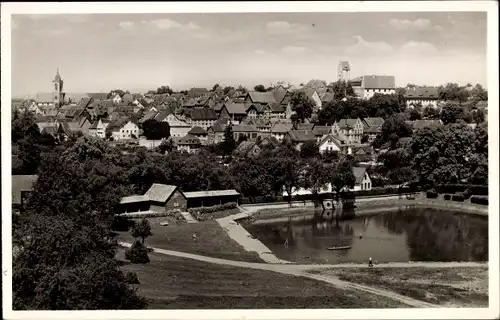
{"points": [[159, 198], [199, 133], [330, 143], [299, 137], [278, 111], [372, 127], [248, 149], [263, 98], [98, 129], [178, 127], [22, 186], [363, 153], [424, 96], [70, 126], [241, 131], [187, 143], [351, 128], [216, 131], [253, 112], [196, 199], [236, 112], [268, 142], [201, 117], [122, 129], [150, 114], [117, 99], [263, 125], [367, 86], [363, 180], [279, 130], [321, 131]]}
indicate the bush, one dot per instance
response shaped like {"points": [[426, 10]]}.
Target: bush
{"points": [[432, 194], [479, 200], [459, 197], [467, 194], [121, 223], [454, 188], [170, 213], [131, 278], [137, 253], [203, 210], [447, 196]]}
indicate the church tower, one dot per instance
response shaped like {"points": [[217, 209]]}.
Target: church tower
{"points": [[57, 92]]}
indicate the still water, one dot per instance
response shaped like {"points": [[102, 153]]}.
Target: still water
{"points": [[399, 236]]}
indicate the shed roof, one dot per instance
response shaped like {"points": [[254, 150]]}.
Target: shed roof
{"points": [[160, 192], [134, 199], [211, 193]]}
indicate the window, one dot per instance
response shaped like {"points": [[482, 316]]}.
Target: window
{"points": [[369, 185]]}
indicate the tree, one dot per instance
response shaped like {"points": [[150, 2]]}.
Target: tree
{"points": [[228, 144], [154, 130], [478, 93], [302, 105], [141, 230], [364, 138], [414, 115], [286, 169], [242, 89], [451, 113], [309, 149], [164, 89], [393, 129], [452, 92], [478, 116], [167, 146], [137, 253], [385, 105], [260, 88], [227, 89], [341, 89], [341, 176], [431, 113], [250, 178], [215, 87], [314, 177]]}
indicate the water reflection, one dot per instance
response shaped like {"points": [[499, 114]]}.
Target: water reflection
{"points": [[406, 235]]}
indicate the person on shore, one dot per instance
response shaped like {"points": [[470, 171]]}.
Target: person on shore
{"points": [[370, 263], [286, 243]]}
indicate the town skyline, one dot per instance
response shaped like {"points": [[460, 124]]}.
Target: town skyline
{"points": [[243, 49]]}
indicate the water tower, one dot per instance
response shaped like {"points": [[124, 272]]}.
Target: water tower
{"points": [[344, 71]]}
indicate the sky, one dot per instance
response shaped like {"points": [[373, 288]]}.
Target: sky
{"points": [[139, 52]]}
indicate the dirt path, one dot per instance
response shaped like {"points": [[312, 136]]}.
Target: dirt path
{"points": [[303, 271]]}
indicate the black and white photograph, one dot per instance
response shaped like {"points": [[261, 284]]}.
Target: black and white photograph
{"points": [[271, 160]]}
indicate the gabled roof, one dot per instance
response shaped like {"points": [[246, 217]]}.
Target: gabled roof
{"points": [[280, 127], [244, 128], [302, 135], [203, 114], [374, 122], [134, 199], [278, 95], [421, 93], [21, 183], [277, 108], [418, 124], [346, 123], [197, 131], [76, 97], [315, 83], [236, 108], [359, 173], [162, 115], [160, 192], [331, 137], [117, 124], [149, 115], [379, 82], [304, 126], [261, 97], [269, 140], [321, 130]]}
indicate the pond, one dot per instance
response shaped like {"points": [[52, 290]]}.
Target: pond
{"points": [[415, 234]]}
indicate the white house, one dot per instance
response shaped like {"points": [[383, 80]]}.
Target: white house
{"points": [[424, 96], [178, 128], [117, 99], [123, 129], [98, 129], [363, 180], [329, 143], [367, 86]]}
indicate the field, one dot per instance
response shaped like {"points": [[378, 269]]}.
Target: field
{"points": [[176, 283], [449, 287], [211, 240]]}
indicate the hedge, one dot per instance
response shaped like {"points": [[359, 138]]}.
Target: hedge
{"points": [[481, 190], [203, 210], [431, 194], [170, 213], [447, 196], [479, 200], [458, 197]]}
